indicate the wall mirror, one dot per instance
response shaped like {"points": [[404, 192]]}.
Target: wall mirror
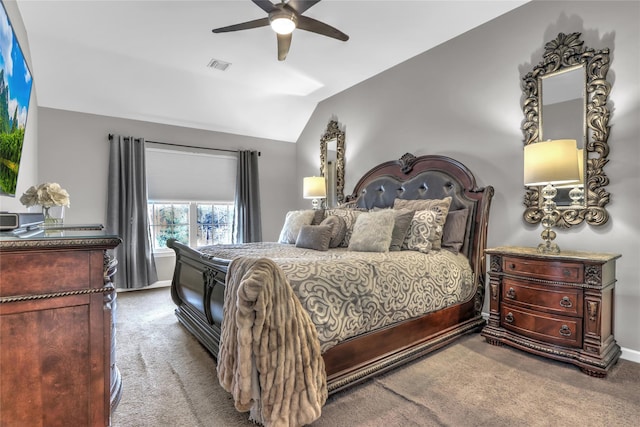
{"points": [[332, 163], [565, 97]]}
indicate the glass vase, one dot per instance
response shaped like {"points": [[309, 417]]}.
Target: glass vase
{"points": [[53, 215]]}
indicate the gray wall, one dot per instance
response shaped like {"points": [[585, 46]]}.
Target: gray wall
{"points": [[75, 153], [463, 99]]}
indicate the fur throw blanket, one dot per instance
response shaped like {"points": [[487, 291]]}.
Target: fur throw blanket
{"points": [[269, 357]]}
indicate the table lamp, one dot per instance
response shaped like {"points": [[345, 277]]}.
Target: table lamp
{"points": [[550, 163], [314, 187]]}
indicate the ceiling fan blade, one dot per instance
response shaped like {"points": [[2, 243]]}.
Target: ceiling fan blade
{"points": [[262, 22], [301, 5], [284, 42], [265, 5], [315, 26]]}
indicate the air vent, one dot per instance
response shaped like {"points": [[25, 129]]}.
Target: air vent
{"points": [[218, 65]]}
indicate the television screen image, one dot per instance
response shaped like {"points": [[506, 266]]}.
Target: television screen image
{"points": [[15, 91]]}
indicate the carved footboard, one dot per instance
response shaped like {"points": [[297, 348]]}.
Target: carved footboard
{"points": [[197, 290]]}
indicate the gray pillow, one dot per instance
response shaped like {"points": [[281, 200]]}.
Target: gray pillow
{"points": [[349, 216], [372, 231], [292, 224], [318, 216], [338, 229], [315, 237], [400, 228], [454, 230]]}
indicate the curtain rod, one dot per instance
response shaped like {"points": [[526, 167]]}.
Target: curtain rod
{"points": [[187, 146]]}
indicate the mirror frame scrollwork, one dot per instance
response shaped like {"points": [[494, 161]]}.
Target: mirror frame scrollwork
{"points": [[332, 133], [567, 51]]}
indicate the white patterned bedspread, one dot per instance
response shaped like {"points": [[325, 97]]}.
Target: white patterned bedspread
{"points": [[349, 293]]}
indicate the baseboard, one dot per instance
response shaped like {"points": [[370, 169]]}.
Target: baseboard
{"points": [[158, 284], [630, 355]]}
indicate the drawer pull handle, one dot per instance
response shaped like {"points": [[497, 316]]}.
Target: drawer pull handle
{"points": [[565, 331], [566, 302], [566, 272], [512, 266], [511, 293], [509, 318]]}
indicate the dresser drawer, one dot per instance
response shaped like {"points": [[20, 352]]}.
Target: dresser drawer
{"points": [[561, 271], [48, 272], [561, 330], [553, 299]]}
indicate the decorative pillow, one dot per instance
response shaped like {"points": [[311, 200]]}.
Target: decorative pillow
{"points": [[423, 231], [400, 228], [454, 230], [338, 229], [292, 224], [318, 216], [348, 205], [315, 237], [372, 232], [439, 206], [349, 216]]}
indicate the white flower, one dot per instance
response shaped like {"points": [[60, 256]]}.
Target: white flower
{"points": [[46, 195]]}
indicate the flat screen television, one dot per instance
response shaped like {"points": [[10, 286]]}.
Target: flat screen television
{"points": [[15, 92]]}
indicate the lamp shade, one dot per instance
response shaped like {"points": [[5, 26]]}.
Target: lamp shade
{"points": [[551, 162], [581, 165], [314, 187]]}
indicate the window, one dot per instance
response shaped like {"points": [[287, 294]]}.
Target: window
{"points": [[181, 184], [192, 223], [214, 224]]}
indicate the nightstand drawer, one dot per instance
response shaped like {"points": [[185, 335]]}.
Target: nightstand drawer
{"points": [[554, 299], [561, 271], [560, 330]]}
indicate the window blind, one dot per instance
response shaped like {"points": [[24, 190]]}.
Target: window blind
{"points": [[177, 175]]}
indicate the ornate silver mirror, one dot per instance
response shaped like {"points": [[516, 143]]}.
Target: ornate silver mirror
{"points": [[565, 97], [332, 163]]}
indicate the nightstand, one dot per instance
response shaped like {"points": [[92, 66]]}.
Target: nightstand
{"points": [[558, 306]]}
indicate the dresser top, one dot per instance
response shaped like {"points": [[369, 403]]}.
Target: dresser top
{"points": [[531, 252], [57, 239]]}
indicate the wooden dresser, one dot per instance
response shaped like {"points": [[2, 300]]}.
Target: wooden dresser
{"points": [[558, 306], [56, 300]]}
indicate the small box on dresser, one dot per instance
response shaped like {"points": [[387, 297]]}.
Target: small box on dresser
{"points": [[560, 306]]}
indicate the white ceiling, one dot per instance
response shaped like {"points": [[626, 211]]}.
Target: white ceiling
{"points": [[147, 60]]}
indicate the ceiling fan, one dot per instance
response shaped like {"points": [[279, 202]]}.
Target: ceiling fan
{"points": [[283, 19]]}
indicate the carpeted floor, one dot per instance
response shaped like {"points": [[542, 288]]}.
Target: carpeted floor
{"points": [[170, 380]]}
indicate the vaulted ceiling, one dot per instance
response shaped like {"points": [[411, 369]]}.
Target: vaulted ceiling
{"points": [[148, 60]]}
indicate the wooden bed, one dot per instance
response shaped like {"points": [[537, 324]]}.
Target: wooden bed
{"points": [[198, 285]]}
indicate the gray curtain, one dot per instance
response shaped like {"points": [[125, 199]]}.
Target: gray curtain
{"points": [[127, 212], [247, 225]]}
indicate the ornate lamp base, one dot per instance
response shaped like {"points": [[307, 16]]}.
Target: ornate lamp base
{"points": [[548, 221], [548, 247]]}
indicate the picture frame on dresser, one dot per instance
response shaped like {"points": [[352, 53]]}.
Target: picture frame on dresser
{"points": [[559, 306]]}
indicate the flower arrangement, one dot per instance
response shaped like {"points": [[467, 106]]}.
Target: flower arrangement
{"points": [[46, 195]]}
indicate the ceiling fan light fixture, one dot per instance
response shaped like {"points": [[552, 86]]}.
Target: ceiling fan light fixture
{"points": [[282, 21]]}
